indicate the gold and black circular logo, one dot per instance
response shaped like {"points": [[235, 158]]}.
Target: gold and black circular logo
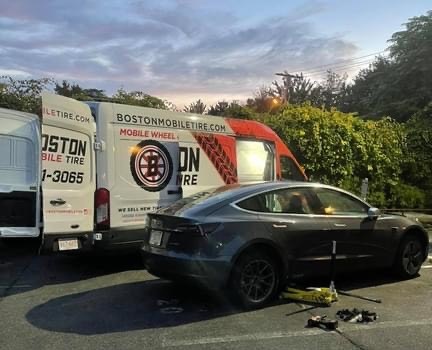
{"points": [[151, 165]]}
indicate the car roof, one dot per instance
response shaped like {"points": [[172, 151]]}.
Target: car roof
{"points": [[233, 193]]}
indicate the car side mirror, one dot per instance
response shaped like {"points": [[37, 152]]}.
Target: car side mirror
{"points": [[373, 213]]}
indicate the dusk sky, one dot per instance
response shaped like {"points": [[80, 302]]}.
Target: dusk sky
{"points": [[182, 50]]}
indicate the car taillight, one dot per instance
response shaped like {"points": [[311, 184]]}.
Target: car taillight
{"points": [[102, 206], [198, 229]]}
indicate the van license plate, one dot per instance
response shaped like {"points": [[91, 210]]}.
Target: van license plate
{"points": [[68, 244], [156, 237]]}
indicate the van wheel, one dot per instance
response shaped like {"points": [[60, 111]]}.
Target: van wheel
{"points": [[409, 257], [255, 279]]}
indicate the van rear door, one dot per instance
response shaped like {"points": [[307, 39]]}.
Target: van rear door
{"points": [[19, 174], [68, 173]]}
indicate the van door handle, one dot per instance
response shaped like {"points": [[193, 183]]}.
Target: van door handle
{"points": [[340, 225], [57, 202]]}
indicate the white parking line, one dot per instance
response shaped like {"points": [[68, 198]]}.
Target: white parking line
{"points": [[344, 328], [16, 286], [244, 337]]}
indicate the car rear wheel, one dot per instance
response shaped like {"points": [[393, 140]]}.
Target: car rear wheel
{"points": [[255, 279], [410, 257]]}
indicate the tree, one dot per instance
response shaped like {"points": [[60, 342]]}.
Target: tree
{"points": [[77, 92], [297, 89], [197, 107], [233, 109], [138, 98], [332, 92], [22, 94], [218, 109], [170, 106], [294, 89], [418, 157], [263, 101], [401, 84]]}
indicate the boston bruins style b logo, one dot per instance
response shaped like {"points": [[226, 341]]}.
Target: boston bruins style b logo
{"points": [[151, 165]]}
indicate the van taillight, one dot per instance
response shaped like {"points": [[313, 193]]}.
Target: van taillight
{"points": [[102, 206]]}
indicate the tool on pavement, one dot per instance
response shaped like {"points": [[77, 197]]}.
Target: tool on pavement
{"points": [[332, 279], [355, 315], [333, 269], [323, 296], [315, 295], [342, 292], [322, 322]]}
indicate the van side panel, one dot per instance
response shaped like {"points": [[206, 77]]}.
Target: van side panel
{"points": [[124, 167]]}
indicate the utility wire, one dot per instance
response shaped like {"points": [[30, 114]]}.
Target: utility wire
{"points": [[354, 64], [350, 60]]}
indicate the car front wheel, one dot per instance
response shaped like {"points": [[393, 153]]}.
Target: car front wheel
{"points": [[255, 279], [410, 257]]}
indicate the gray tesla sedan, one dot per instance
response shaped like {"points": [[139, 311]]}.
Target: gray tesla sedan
{"points": [[251, 239]]}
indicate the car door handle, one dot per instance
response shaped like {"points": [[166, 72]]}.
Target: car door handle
{"points": [[340, 225], [283, 224], [57, 202]]}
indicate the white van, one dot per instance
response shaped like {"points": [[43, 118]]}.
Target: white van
{"points": [[105, 166], [19, 174]]}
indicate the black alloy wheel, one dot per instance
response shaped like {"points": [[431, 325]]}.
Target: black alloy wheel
{"points": [[255, 279], [410, 257]]}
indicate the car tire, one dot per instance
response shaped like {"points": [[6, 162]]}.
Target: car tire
{"points": [[409, 257], [255, 279]]}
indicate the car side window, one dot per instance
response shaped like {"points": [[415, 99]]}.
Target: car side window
{"points": [[293, 200], [339, 203]]}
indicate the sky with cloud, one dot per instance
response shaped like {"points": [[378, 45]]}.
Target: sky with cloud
{"points": [[182, 50]]}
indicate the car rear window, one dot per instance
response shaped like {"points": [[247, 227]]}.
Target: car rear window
{"points": [[208, 197]]}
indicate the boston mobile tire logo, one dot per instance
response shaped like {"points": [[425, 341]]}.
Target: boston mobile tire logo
{"points": [[151, 165]]}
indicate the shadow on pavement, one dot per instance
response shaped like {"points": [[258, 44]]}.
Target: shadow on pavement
{"points": [[22, 270], [142, 305], [127, 307]]}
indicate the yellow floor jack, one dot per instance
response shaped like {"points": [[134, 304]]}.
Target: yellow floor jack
{"points": [[322, 296]]}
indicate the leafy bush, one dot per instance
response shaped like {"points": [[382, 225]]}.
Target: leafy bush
{"points": [[342, 149], [406, 196]]}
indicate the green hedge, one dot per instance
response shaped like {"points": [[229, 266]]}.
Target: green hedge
{"points": [[342, 149]]}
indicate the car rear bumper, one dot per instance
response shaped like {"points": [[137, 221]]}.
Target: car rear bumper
{"points": [[209, 272]]}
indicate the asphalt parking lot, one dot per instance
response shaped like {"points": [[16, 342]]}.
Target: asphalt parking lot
{"points": [[64, 302]]}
